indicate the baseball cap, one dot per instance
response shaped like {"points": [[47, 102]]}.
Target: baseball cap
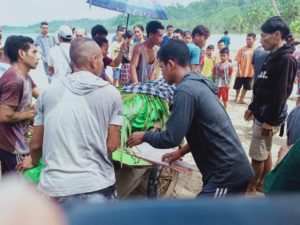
{"points": [[65, 32]]}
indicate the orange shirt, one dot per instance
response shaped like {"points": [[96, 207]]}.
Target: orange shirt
{"points": [[244, 60]]}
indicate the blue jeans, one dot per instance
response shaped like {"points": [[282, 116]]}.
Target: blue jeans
{"points": [[100, 196]]}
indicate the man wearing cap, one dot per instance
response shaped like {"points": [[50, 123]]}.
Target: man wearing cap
{"points": [[45, 42], [59, 57]]}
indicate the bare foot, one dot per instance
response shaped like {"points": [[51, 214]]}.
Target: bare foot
{"points": [[236, 101], [260, 187], [242, 102], [251, 191]]}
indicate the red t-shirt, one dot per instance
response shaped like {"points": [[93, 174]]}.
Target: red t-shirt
{"points": [[16, 92]]}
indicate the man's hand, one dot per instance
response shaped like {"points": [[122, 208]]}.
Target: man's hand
{"points": [[26, 164], [135, 139], [284, 149], [31, 113], [172, 156], [267, 130], [248, 115]]}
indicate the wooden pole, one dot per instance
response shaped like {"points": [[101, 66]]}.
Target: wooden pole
{"points": [[275, 8], [127, 22]]}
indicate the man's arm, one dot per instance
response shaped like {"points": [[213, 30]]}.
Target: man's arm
{"points": [[176, 155], [116, 61], [115, 124], [113, 138], [177, 125], [36, 146], [9, 115], [134, 63], [50, 62], [36, 92]]}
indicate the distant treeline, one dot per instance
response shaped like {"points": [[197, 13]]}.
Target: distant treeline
{"points": [[236, 16]]}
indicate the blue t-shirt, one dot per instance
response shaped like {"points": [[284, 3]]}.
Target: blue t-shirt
{"points": [[227, 41], [194, 54]]}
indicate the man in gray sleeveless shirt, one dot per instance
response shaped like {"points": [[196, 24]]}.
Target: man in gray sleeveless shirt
{"points": [[142, 67]]}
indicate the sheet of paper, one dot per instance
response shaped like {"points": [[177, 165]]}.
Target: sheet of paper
{"points": [[148, 153]]}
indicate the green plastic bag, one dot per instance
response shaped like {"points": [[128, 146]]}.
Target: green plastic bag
{"points": [[33, 175], [285, 177]]}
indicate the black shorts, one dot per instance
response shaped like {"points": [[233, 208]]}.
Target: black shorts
{"points": [[245, 82], [214, 191], [9, 161]]}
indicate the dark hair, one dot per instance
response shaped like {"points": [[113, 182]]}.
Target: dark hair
{"points": [[220, 41], [100, 41], [201, 30], [224, 51], [98, 29], [140, 26], [169, 26], [274, 24], [153, 26], [120, 28], [128, 34], [226, 32], [210, 47], [187, 32], [178, 31], [175, 50], [14, 43], [44, 23], [251, 35]]}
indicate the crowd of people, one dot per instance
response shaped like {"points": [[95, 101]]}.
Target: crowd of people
{"points": [[77, 119]]}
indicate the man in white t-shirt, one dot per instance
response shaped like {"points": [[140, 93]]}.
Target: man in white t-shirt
{"points": [[59, 56], [77, 123]]}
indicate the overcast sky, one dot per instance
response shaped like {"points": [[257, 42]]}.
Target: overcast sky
{"points": [[26, 12]]}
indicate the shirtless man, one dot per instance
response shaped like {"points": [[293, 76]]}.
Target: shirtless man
{"points": [[142, 67]]}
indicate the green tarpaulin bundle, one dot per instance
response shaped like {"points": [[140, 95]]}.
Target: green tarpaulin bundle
{"points": [[140, 113], [33, 175]]}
